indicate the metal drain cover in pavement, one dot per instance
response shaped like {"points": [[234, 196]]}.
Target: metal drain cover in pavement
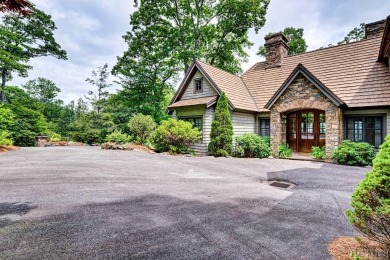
{"points": [[280, 184]]}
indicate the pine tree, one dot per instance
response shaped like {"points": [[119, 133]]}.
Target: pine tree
{"points": [[221, 135]]}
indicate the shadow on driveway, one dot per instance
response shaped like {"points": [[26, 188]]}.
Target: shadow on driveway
{"points": [[163, 227]]}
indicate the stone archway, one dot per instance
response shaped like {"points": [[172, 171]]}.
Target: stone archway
{"points": [[301, 94]]}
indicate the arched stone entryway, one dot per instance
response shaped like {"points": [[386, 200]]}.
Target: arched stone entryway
{"points": [[301, 95]]}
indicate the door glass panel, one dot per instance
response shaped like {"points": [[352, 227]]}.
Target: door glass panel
{"points": [[322, 126], [292, 129], [307, 125]]}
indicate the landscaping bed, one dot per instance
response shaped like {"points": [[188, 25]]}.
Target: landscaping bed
{"points": [[6, 148]]}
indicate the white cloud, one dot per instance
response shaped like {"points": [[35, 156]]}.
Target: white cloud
{"points": [[91, 32]]}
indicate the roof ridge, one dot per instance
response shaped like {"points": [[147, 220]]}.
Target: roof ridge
{"points": [[217, 68], [333, 46]]}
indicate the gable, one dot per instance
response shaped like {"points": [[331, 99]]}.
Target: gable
{"points": [[301, 71], [207, 91]]}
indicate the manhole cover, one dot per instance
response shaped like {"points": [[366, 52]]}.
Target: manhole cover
{"points": [[280, 184]]}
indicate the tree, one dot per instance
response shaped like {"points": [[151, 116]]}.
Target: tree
{"points": [[42, 89], [99, 79], [356, 34], [296, 44], [18, 6], [23, 38], [166, 36], [371, 199], [221, 143], [45, 92]]}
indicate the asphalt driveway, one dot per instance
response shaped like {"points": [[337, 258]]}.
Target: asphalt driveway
{"points": [[88, 203]]}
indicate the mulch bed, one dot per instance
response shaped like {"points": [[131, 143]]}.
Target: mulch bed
{"points": [[342, 248], [11, 148]]}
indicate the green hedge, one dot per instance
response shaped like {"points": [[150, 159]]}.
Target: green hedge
{"points": [[354, 153], [252, 145]]}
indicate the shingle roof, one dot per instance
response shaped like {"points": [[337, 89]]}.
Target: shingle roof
{"points": [[232, 85], [193, 102], [350, 71]]}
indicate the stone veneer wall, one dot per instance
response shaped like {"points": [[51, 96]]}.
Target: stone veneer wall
{"points": [[302, 94]]}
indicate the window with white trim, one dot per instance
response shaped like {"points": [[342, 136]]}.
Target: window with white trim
{"points": [[198, 85]]}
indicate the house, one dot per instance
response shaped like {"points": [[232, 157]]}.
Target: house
{"points": [[316, 98]]}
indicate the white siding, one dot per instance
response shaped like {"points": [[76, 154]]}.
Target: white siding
{"points": [[243, 123], [208, 90], [372, 112], [207, 121]]}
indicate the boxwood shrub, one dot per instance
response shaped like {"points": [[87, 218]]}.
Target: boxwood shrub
{"points": [[354, 153], [252, 145]]}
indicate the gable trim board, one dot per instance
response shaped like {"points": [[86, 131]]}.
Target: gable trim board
{"points": [[300, 69]]}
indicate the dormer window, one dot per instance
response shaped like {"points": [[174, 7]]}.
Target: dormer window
{"points": [[198, 85]]}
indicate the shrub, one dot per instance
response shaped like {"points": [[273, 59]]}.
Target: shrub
{"points": [[118, 137], [353, 153], [142, 126], [88, 136], [318, 152], [285, 151], [53, 137], [371, 199], [4, 138], [175, 136], [221, 143], [252, 145]]}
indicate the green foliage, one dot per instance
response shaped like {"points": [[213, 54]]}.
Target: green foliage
{"points": [[99, 79], [118, 137], [285, 151], [318, 152], [5, 138], [221, 135], [354, 153], [23, 38], [53, 136], [141, 126], [252, 145], [175, 136], [296, 44], [89, 136], [28, 119], [356, 34], [7, 118], [371, 199], [165, 38]]}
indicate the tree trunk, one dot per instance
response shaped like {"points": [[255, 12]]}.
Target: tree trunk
{"points": [[3, 79]]}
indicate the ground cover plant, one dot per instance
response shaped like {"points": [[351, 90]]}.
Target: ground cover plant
{"points": [[285, 151]]}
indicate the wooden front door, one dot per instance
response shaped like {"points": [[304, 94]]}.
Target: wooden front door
{"points": [[305, 129]]}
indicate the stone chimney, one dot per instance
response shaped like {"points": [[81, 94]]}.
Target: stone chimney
{"points": [[276, 49], [375, 29]]}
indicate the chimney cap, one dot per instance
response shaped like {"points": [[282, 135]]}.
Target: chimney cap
{"points": [[274, 35]]}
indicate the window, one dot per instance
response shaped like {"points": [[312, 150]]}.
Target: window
{"points": [[365, 129], [264, 126], [196, 121], [198, 85]]}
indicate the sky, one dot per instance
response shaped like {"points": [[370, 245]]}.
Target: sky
{"points": [[91, 33]]}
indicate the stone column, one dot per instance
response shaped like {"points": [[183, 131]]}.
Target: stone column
{"points": [[334, 130], [276, 132]]}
